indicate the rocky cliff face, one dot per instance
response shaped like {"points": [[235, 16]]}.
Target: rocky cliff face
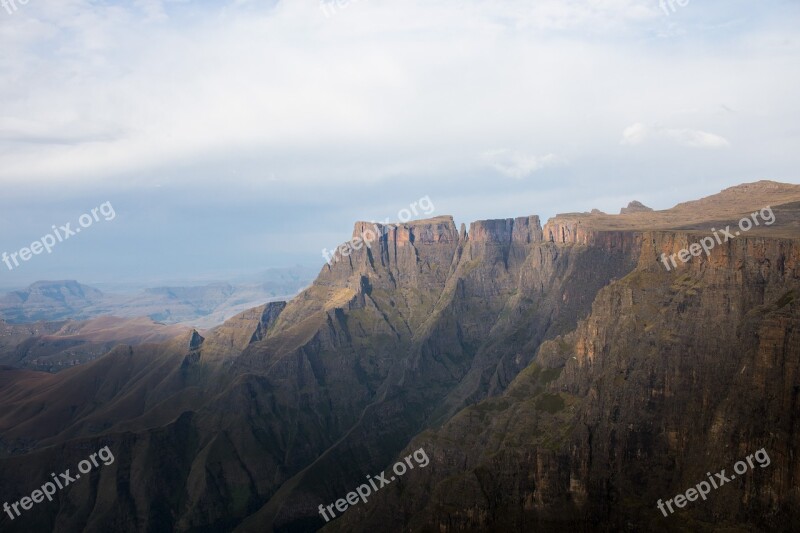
{"points": [[231, 338], [556, 376], [432, 321], [673, 375]]}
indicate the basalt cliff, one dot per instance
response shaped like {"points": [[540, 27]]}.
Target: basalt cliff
{"points": [[558, 376]]}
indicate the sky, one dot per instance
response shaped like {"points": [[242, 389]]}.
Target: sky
{"points": [[230, 137]]}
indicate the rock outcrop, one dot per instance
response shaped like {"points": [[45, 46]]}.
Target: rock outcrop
{"points": [[634, 207]]}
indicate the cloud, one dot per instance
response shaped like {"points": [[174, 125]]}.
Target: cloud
{"points": [[697, 138], [95, 90], [635, 134], [638, 133], [152, 9], [519, 165], [70, 131]]}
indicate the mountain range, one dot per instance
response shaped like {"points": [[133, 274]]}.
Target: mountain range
{"points": [[201, 306], [558, 376]]}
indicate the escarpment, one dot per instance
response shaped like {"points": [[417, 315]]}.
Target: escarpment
{"points": [[557, 375], [673, 374]]}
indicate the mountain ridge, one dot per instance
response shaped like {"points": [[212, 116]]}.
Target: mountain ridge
{"points": [[426, 330]]}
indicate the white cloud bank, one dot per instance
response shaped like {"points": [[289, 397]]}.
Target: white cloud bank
{"points": [[639, 133], [91, 91], [519, 165]]}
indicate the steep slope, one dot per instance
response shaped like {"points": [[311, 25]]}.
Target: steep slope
{"points": [[674, 374], [231, 338], [503, 291], [152, 381]]}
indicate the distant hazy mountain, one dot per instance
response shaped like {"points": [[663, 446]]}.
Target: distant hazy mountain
{"points": [[201, 306], [48, 300]]}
